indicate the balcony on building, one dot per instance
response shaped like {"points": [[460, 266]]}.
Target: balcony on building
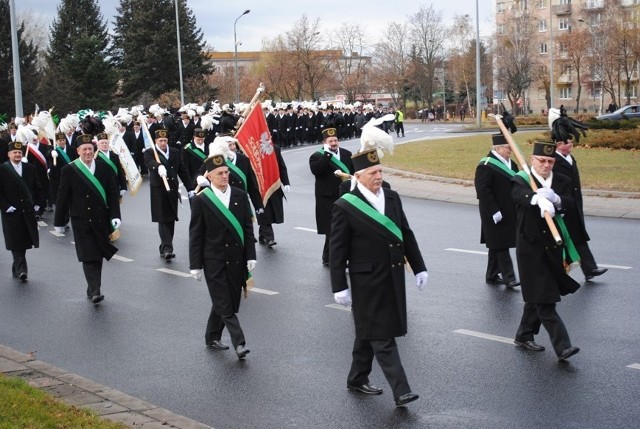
{"points": [[565, 78], [561, 9]]}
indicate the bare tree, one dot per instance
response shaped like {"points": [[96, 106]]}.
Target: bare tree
{"points": [[304, 42], [351, 68], [391, 61], [574, 56], [36, 31], [462, 58]]}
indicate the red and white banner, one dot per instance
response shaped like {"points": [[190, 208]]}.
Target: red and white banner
{"points": [[255, 141]]}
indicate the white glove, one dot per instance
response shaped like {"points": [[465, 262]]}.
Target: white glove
{"points": [[122, 192], [162, 171], [191, 194], [54, 153], [259, 211], [115, 222], [421, 280], [11, 209], [59, 229], [251, 264], [546, 206], [549, 194], [36, 208], [25, 160], [196, 274], [497, 217], [343, 297], [202, 181], [286, 188]]}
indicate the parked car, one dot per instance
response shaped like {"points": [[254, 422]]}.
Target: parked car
{"points": [[631, 111]]}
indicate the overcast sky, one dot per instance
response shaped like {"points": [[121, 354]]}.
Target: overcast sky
{"points": [[269, 18]]}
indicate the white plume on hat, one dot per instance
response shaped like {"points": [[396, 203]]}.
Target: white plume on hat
{"points": [[26, 133], [553, 115], [220, 146], [69, 123], [44, 124], [373, 137], [110, 124], [207, 121]]}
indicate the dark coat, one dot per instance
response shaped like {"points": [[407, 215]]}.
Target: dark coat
{"points": [[184, 133], [20, 227], [164, 204], [129, 139], [274, 210], [54, 170], [493, 190], [41, 166], [574, 220], [212, 246], [90, 218], [326, 185], [121, 177], [192, 159], [540, 264], [376, 266]]}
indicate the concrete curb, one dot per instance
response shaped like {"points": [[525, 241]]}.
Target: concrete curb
{"points": [[81, 392]]}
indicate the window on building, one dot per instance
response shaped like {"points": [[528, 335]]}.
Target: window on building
{"points": [[565, 92], [542, 4], [500, 28], [633, 91], [565, 2], [594, 4], [563, 23], [500, 7], [562, 47], [543, 48], [542, 70], [595, 19], [542, 25]]}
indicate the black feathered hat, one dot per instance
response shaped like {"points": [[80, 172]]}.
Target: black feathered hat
{"points": [[564, 128]]}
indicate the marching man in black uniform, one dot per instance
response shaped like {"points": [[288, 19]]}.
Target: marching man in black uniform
{"points": [[540, 259], [370, 234], [113, 161], [497, 212], [323, 164], [88, 192], [21, 194], [164, 204], [221, 244]]}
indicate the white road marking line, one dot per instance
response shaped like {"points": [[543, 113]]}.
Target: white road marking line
{"points": [[305, 229], [634, 366], [485, 336], [43, 223], [174, 272], [57, 234], [263, 291], [339, 307], [620, 267], [475, 252], [121, 258]]}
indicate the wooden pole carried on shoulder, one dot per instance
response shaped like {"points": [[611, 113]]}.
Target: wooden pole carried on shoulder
{"points": [[523, 165]]}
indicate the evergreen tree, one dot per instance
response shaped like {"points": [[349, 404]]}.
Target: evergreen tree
{"points": [[28, 66], [78, 73], [144, 49]]}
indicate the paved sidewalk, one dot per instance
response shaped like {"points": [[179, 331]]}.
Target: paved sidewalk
{"points": [[596, 203], [135, 413], [84, 393]]}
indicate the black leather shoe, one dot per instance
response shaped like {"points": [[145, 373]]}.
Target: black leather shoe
{"points": [[496, 281], [325, 263], [403, 400], [568, 352], [97, 298], [367, 389], [271, 243], [262, 240], [23, 277], [242, 351], [512, 284], [595, 273], [530, 345], [217, 345]]}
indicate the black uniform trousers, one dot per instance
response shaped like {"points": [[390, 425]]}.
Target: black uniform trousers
{"points": [[19, 262], [499, 262], [265, 233], [386, 353], [93, 275], [587, 261], [166, 230], [325, 249], [545, 314]]}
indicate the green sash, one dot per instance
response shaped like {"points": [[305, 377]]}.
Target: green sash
{"points": [[82, 169], [373, 214], [569, 252], [197, 152], [106, 159], [337, 162], [224, 213], [500, 166], [239, 173], [63, 154], [21, 183]]}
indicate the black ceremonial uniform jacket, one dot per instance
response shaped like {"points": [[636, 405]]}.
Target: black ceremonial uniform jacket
{"points": [[54, 170], [375, 258], [574, 220]]}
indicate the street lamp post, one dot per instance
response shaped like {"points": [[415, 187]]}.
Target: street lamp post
{"points": [[478, 83], [235, 55], [179, 54], [17, 82], [600, 63]]}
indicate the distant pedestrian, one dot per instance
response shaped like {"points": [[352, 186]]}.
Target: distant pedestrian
{"points": [[399, 121]]}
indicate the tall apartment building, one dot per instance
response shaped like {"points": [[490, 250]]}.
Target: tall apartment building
{"points": [[547, 24]]}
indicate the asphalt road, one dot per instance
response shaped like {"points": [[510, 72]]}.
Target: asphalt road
{"points": [[147, 337]]}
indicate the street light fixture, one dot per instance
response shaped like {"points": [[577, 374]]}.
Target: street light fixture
{"points": [[478, 83], [235, 55], [600, 64], [179, 53]]}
